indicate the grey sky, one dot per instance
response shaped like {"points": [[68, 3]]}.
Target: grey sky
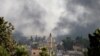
{"points": [[83, 17], [63, 17]]}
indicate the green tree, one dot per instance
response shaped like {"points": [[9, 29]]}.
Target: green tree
{"points": [[3, 52], [82, 41], [8, 47], [44, 52], [94, 49], [67, 43], [6, 40], [21, 51]]}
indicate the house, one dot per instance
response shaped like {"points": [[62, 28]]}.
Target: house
{"points": [[35, 52], [73, 53], [59, 53], [48, 43]]}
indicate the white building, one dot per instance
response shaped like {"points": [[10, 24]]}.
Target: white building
{"points": [[74, 53]]}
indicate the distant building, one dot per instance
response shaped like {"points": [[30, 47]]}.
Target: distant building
{"points": [[59, 53], [78, 47], [77, 51], [48, 43], [35, 52], [51, 45], [73, 53]]}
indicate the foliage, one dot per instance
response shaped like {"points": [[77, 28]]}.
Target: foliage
{"points": [[82, 41], [7, 44], [44, 52], [6, 40], [21, 51], [94, 49], [44, 49], [67, 43], [3, 52], [85, 53]]}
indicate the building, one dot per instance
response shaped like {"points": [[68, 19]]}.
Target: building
{"points": [[74, 53], [51, 45], [48, 43], [35, 52]]}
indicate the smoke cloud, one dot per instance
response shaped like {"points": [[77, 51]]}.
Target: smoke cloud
{"points": [[63, 17]]}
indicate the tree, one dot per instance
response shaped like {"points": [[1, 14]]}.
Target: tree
{"points": [[82, 41], [21, 51], [6, 40], [31, 39], [67, 43], [8, 47], [44, 52], [94, 49], [3, 52]]}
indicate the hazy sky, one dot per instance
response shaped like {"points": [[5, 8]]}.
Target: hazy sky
{"points": [[60, 17]]}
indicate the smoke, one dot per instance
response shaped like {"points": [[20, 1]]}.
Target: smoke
{"points": [[27, 16], [63, 17], [33, 17], [80, 18]]}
